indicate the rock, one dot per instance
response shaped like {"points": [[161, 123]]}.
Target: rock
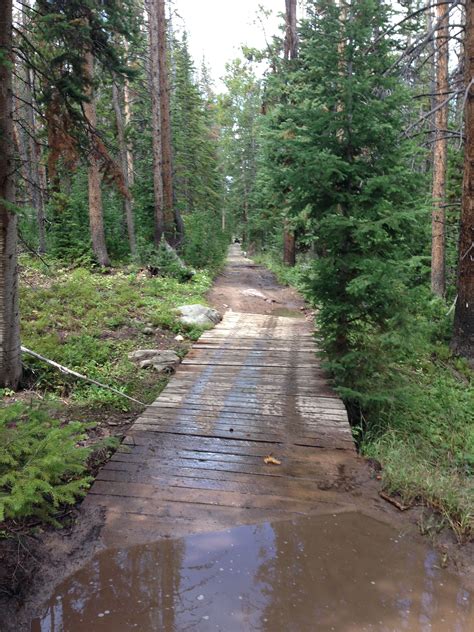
{"points": [[199, 315], [159, 360], [254, 293], [148, 331], [179, 338], [143, 354]]}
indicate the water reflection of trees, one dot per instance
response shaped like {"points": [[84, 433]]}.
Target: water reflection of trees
{"points": [[349, 573], [140, 586]]}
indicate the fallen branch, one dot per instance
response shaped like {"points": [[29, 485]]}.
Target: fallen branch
{"points": [[67, 371], [394, 501]]}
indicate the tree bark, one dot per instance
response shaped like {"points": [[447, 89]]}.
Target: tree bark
{"points": [[128, 122], [291, 35], [34, 149], [174, 226], [291, 51], [10, 354], [35, 163], [289, 250], [154, 72], [127, 200], [438, 220], [96, 216], [463, 333]]}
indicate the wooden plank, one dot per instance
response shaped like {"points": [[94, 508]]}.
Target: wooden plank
{"points": [[194, 459]]}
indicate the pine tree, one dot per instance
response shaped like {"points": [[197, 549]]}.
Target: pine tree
{"points": [[239, 110], [195, 146], [337, 153]]}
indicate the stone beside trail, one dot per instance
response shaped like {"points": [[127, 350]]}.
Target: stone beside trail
{"points": [[247, 430]]}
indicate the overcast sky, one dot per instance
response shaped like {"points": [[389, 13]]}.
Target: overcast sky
{"points": [[217, 28]]}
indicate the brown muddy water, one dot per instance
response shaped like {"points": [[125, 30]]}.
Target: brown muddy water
{"points": [[344, 573], [287, 312]]}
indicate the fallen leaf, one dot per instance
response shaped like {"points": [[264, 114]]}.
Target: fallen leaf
{"points": [[270, 460]]}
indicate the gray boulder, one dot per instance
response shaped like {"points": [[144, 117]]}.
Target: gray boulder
{"points": [[159, 360], [199, 315]]}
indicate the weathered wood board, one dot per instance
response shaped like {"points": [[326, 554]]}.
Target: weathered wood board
{"points": [[194, 460]]}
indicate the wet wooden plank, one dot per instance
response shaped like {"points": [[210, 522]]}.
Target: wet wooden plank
{"points": [[194, 460]]}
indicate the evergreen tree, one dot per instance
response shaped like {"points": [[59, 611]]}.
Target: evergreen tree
{"points": [[239, 109], [195, 145], [336, 152]]}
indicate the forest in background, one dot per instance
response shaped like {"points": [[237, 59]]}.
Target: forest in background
{"points": [[125, 175]]}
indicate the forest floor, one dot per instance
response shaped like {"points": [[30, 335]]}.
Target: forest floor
{"points": [[51, 555]]}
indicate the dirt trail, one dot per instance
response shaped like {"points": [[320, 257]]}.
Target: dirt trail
{"points": [[242, 281]]}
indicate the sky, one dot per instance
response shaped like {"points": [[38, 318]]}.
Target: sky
{"points": [[217, 28]]}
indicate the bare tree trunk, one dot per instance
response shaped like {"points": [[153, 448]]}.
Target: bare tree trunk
{"points": [[34, 149], [10, 354], [96, 216], [128, 121], [35, 163], [127, 200], [21, 148], [154, 73], [463, 333], [289, 250], [291, 51], [174, 226], [438, 228], [291, 35]]}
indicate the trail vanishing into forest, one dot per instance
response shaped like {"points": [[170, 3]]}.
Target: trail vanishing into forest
{"points": [[236, 315]]}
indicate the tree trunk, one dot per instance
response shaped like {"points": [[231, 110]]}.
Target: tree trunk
{"points": [[174, 226], [438, 221], [289, 251], [154, 72], [96, 216], [291, 51], [291, 34], [34, 149], [463, 334], [127, 200], [35, 163], [10, 353], [128, 121]]}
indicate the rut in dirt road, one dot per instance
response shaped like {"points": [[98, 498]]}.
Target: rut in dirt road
{"points": [[247, 431]]}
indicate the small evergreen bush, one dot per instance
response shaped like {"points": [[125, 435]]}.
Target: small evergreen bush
{"points": [[41, 465]]}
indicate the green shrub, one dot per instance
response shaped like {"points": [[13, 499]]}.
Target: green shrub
{"points": [[41, 465]]}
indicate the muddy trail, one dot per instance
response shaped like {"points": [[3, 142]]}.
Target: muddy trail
{"points": [[238, 502]]}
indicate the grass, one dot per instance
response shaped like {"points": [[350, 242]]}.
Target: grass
{"points": [[90, 321], [425, 440], [60, 429], [423, 434]]}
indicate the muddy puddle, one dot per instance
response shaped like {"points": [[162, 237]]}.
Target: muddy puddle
{"points": [[287, 312], [342, 573]]}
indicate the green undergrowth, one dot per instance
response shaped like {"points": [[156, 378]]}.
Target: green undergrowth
{"points": [[43, 465], [291, 276], [89, 321], [411, 404], [424, 438], [54, 435]]}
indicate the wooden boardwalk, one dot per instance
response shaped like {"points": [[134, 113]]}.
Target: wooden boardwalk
{"points": [[194, 460]]}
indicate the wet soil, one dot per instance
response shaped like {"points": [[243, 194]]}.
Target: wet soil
{"points": [[345, 572], [59, 554], [249, 288]]}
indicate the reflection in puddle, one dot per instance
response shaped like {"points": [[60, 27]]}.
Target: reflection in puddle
{"points": [[346, 573]]}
